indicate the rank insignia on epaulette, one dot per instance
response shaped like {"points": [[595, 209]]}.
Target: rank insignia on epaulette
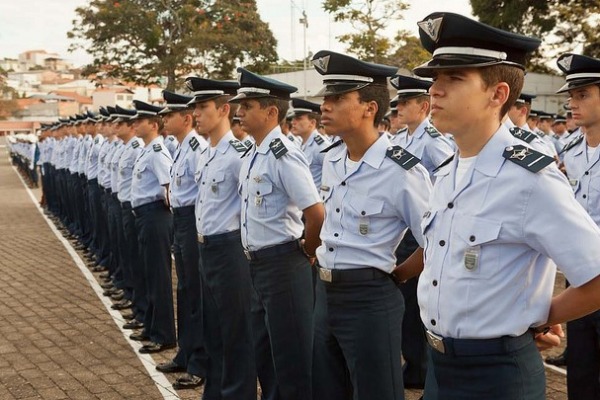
{"points": [[157, 147], [248, 143], [194, 143], [135, 144], [431, 131], [278, 148], [522, 134], [171, 138], [402, 157], [571, 144], [527, 158], [238, 146], [96, 140], [319, 139], [336, 144]]}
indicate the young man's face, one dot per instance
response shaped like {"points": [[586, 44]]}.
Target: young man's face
{"points": [[174, 123], [207, 116], [252, 117], [143, 128], [342, 113], [302, 125], [585, 105], [409, 111], [458, 99], [122, 129]]}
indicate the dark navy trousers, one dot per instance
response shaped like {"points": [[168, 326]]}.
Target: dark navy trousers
{"points": [[154, 225], [191, 353], [583, 358], [282, 308], [227, 323], [132, 258], [358, 336]]}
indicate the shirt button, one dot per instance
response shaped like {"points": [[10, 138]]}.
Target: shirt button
{"points": [[344, 183], [442, 243], [245, 200], [331, 249], [336, 234], [362, 213], [472, 238], [450, 205], [433, 322], [434, 282], [587, 172], [337, 210], [584, 196], [244, 225], [203, 183]]}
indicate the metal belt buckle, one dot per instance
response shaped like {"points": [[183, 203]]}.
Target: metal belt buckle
{"points": [[247, 254], [173, 212], [200, 238], [133, 212], [436, 341], [325, 274]]}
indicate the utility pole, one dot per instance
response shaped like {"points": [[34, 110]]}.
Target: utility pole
{"points": [[304, 22]]}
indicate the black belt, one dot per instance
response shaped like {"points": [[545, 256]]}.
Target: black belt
{"points": [[107, 191], [350, 275], [155, 205], [273, 250], [478, 347], [221, 237], [126, 205], [181, 211], [115, 196], [93, 181]]}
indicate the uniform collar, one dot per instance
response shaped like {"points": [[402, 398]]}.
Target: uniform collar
{"points": [[223, 144], [274, 134], [374, 155], [312, 136], [490, 159], [159, 139], [420, 131], [186, 140], [579, 148]]}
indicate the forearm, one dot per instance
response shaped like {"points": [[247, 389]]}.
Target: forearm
{"points": [[313, 217], [411, 267], [575, 302]]}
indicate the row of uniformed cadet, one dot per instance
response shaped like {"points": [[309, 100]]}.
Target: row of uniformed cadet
{"points": [[488, 274], [26, 153]]}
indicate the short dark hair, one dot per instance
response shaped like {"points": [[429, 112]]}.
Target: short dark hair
{"points": [[281, 105], [380, 95], [513, 76]]}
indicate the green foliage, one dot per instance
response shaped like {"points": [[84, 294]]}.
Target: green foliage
{"points": [[145, 40], [369, 18], [409, 53]]}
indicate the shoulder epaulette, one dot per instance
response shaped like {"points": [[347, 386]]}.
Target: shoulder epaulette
{"points": [[247, 151], [135, 144], [319, 139], [278, 148], [290, 136], [171, 138], [402, 130], [238, 146], [527, 158], [157, 147], [336, 144], [431, 131], [571, 144], [96, 140], [194, 143], [522, 134], [402, 157], [248, 143], [444, 163]]}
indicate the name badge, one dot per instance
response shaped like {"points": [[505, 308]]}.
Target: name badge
{"points": [[573, 182], [258, 201], [363, 226], [178, 181], [472, 258], [139, 175]]}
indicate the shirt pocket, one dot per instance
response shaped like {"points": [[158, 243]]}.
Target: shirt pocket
{"points": [[365, 214], [180, 173], [139, 172], [479, 256], [262, 198], [217, 183], [325, 193]]}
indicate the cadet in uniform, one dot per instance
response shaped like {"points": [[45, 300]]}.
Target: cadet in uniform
{"points": [[373, 191], [225, 272], [154, 225], [191, 356], [498, 213], [305, 120], [276, 190], [582, 162]]}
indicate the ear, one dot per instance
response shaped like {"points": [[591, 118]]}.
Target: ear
{"points": [[371, 109], [500, 94]]}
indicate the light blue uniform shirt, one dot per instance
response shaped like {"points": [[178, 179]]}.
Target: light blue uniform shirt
{"points": [[218, 203], [83, 153], [274, 192], [102, 159], [73, 158], [489, 243], [93, 157], [106, 165], [114, 166], [183, 189], [171, 143], [151, 173], [369, 208], [312, 151], [584, 177], [432, 151], [132, 150]]}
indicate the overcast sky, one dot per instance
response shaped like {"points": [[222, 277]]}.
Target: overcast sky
{"points": [[43, 24]]}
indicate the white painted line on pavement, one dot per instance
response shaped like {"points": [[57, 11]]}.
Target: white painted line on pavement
{"points": [[556, 369], [162, 383]]}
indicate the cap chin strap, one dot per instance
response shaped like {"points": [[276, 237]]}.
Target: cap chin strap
{"points": [[470, 51]]}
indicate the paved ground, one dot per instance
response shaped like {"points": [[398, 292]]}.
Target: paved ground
{"points": [[58, 339]]}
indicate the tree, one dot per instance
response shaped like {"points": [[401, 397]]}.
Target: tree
{"points": [[409, 53], [369, 18], [145, 40], [564, 25]]}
